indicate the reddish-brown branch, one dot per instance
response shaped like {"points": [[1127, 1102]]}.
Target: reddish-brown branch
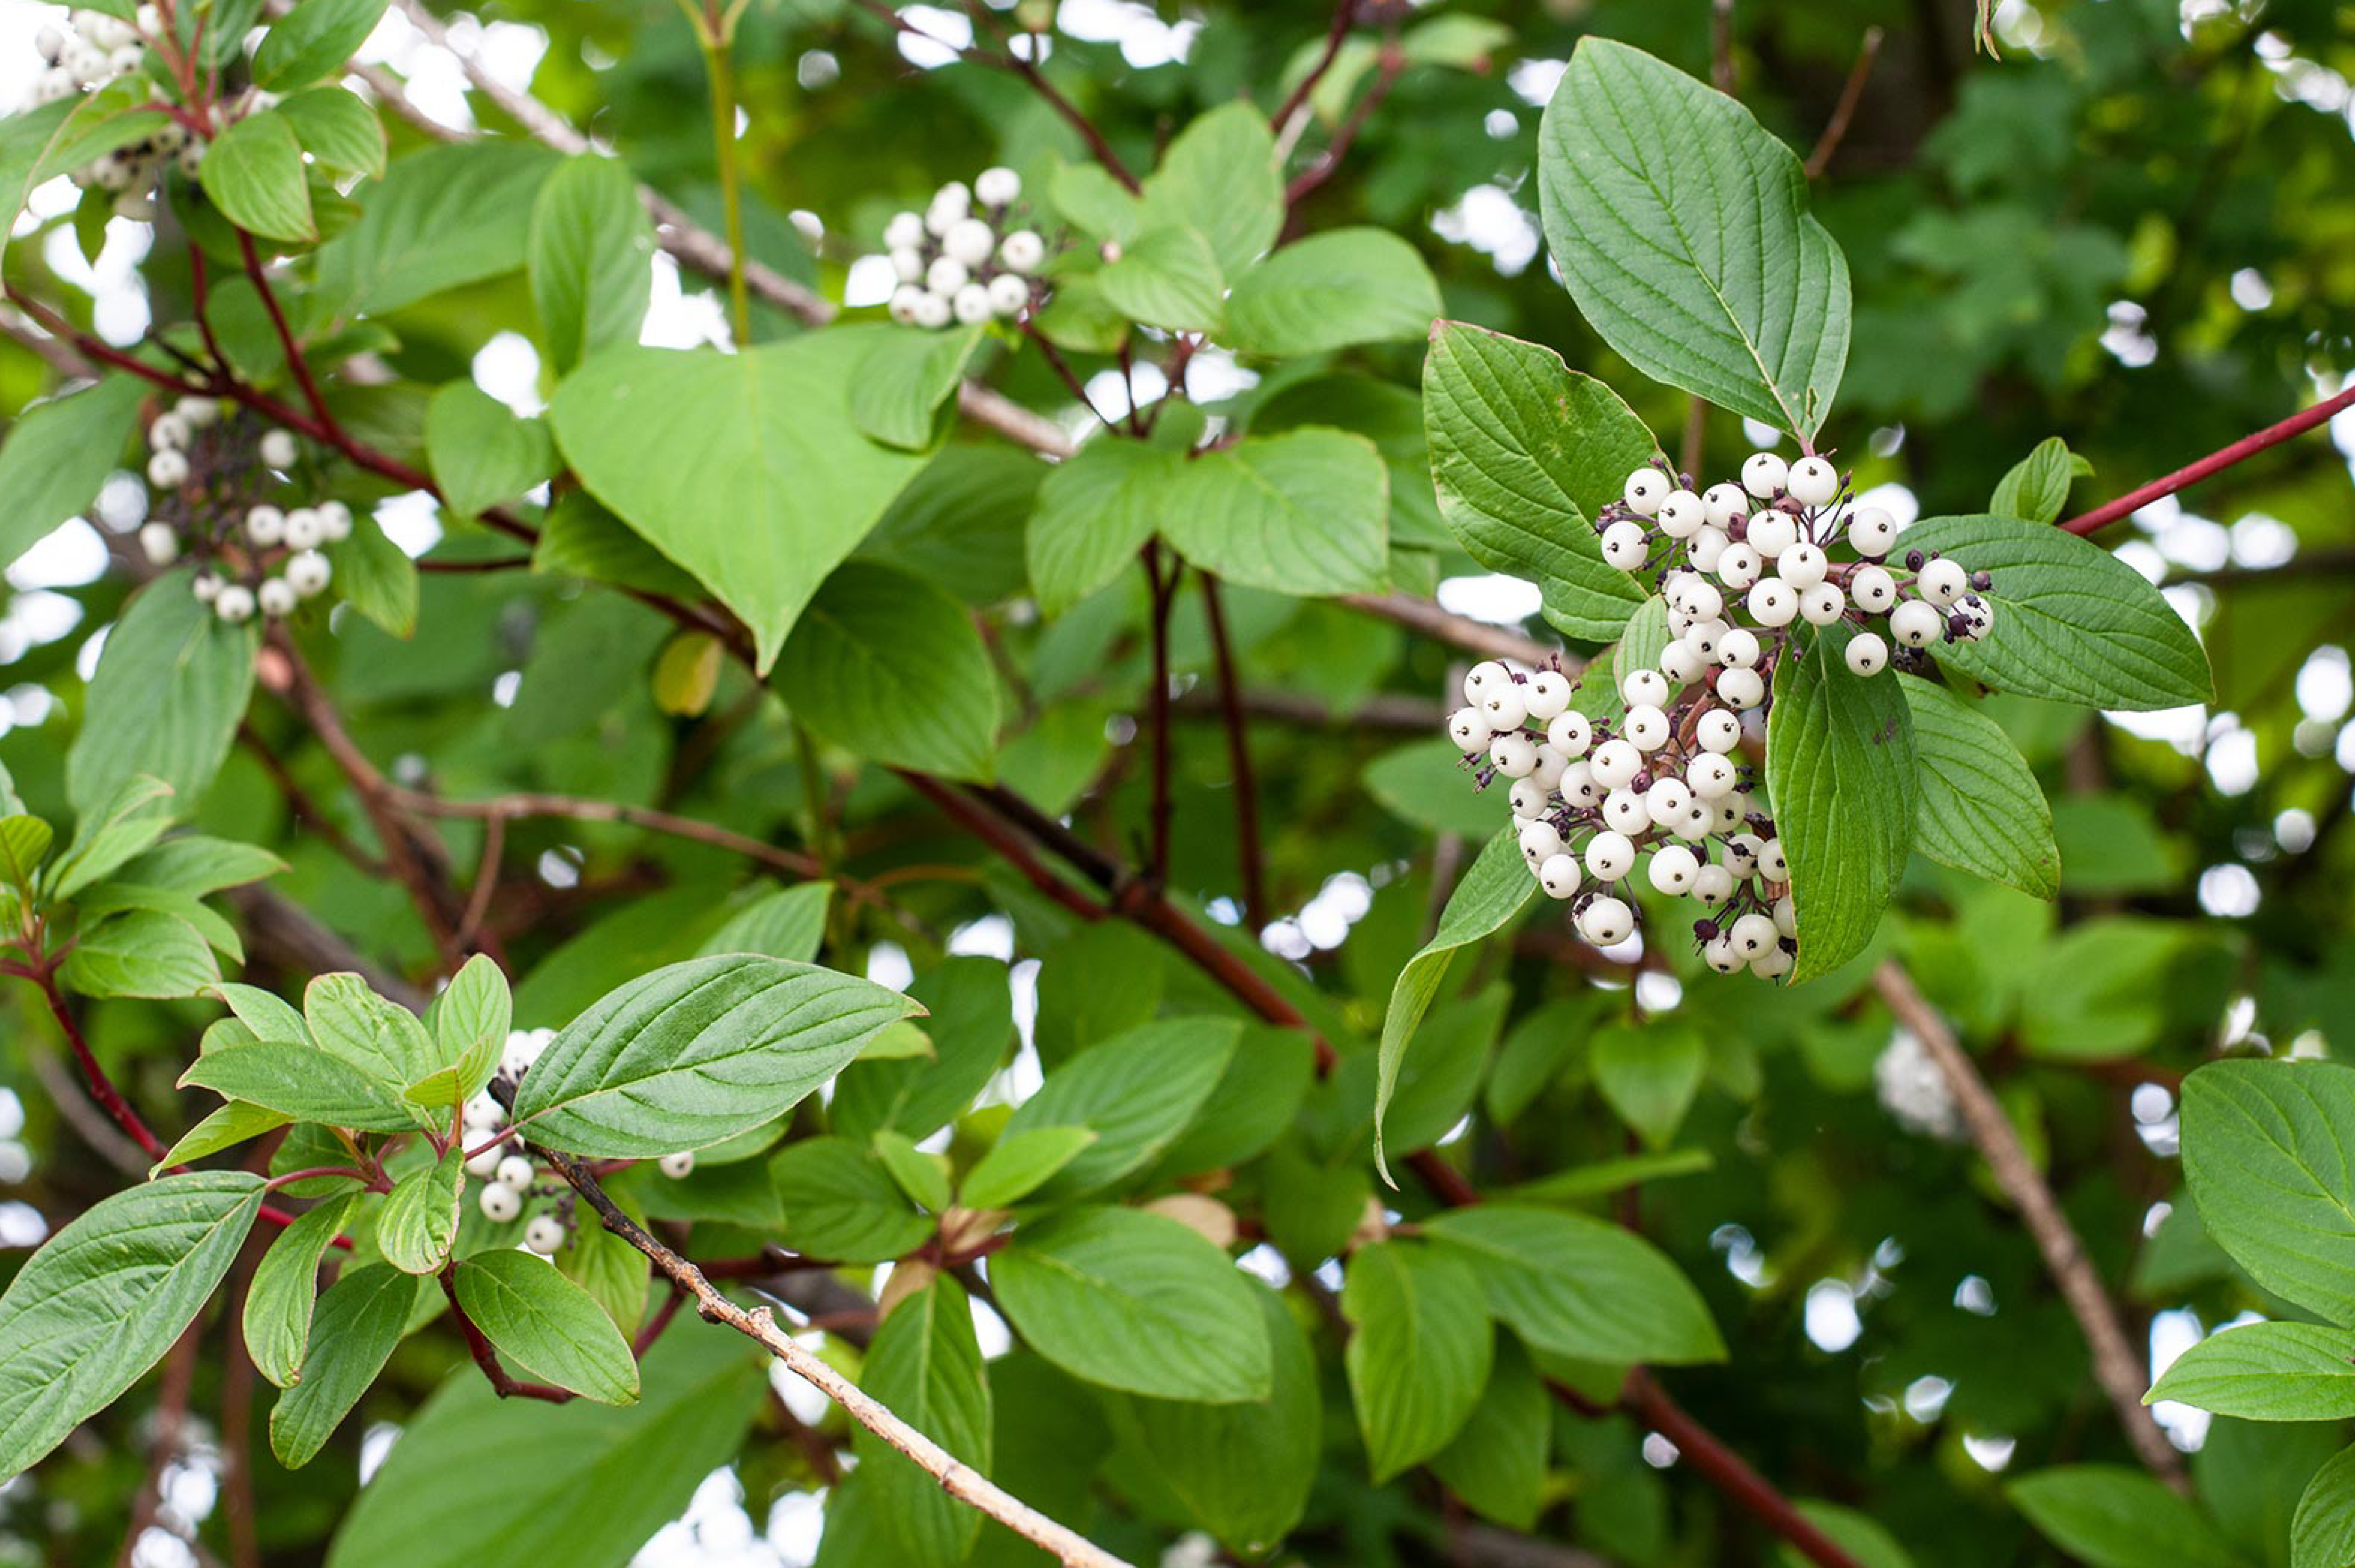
{"points": [[1726, 1471], [653, 1327], [1163, 578], [1851, 93], [2247, 447], [1393, 61], [295, 362], [1247, 845], [304, 810], [1338, 34], [487, 1358]]}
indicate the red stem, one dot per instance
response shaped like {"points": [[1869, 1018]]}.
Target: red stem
{"points": [[485, 1357], [1343, 15], [1231, 705], [1165, 591], [295, 362], [2222, 458]]}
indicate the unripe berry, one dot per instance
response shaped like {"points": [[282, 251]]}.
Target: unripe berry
{"points": [[1558, 876], [1645, 489], [1763, 474], [1771, 863], [1503, 707], [545, 1235], [1546, 694], [1610, 855], [1514, 756], [1624, 809], [1943, 581], [1644, 688], [677, 1166], [1754, 936], [1615, 762], [1822, 604], [1872, 588], [500, 1203], [1738, 649], [1872, 531], [1569, 734], [1717, 731], [1709, 776], [1713, 884], [1738, 566], [1467, 728], [1624, 546], [1674, 868], [1682, 514], [1771, 533], [1813, 482], [1866, 654], [1607, 922], [1725, 502], [1540, 841], [1916, 624], [278, 448], [1773, 602]]}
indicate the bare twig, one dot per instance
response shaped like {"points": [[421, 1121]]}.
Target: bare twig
{"points": [[1472, 636], [2247, 447], [1723, 72], [1344, 13], [1328, 162], [2116, 1366], [1851, 93]]}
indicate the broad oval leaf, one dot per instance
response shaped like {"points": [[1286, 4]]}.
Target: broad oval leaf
{"points": [[284, 1295], [841, 1205], [1682, 228], [1135, 1301], [885, 664], [2073, 622], [2267, 1148], [1136, 1092], [547, 1325], [1841, 773], [360, 1321], [1096, 510], [1420, 1352], [57, 455], [697, 1052], [172, 684], [2111, 1517], [420, 1217], [481, 452], [1306, 512], [254, 173], [2266, 1372], [591, 259], [105, 1297], [2322, 1533], [1981, 808], [314, 40], [925, 1366], [1577, 1287], [305, 1084], [1525, 451], [1332, 291]]}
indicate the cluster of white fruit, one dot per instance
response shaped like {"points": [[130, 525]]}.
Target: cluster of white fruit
{"points": [[255, 556], [1759, 552], [1654, 778], [506, 1171], [98, 49], [962, 258]]}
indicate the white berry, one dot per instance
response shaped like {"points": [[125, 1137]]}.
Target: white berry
{"points": [[1008, 295], [500, 1203], [1504, 707], [1786, 916], [160, 543], [677, 1166], [1973, 616], [484, 1165], [1771, 533], [1569, 734], [1874, 588], [169, 430], [1513, 756], [1704, 637], [1645, 727], [1742, 688], [265, 525], [1527, 798], [545, 1235], [1680, 664], [1738, 567], [1674, 868], [1802, 565], [1644, 688], [1645, 489], [1022, 251], [1709, 776], [933, 311], [1943, 581], [904, 232], [1712, 885], [1577, 786], [516, 1172], [1771, 965], [1624, 546], [1866, 654], [1546, 696], [1773, 602], [1812, 481], [1754, 934], [997, 187], [1607, 922], [969, 242], [1682, 514], [1624, 811], [276, 597], [1540, 841], [1616, 762], [1771, 863], [1668, 803], [1738, 649], [234, 603], [1725, 502], [278, 448], [1870, 531], [1717, 731], [305, 529], [1916, 624], [1703, 599], [1559, 875], [1467, 729], [1719, 954], [1822, 604], [1763, 474], [1705, 547], [168, 468]]}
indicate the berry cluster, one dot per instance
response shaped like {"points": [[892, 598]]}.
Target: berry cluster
{"points": [[964, 260], [98, 50], [209, 472], [1736, 566], [508, 1175]]}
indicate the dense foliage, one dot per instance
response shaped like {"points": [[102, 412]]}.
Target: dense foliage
{"points": [[1077, 797]]}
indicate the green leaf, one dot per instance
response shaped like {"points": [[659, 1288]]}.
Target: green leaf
{"points": [[226, 1127], [253, 172], [1097, 204], [2112, 1517], [923, 1177], [197, 864], [1167, 276], [1497, 1462], [304, 1084], [610, 1270], [1858, 1535], [2267, 1148], [2266, 1372], [1525, 451], [482, 454], [1242, 1470], [382, 1039], [598, 1482], [172, 684], [972, 1026], [376, 578], [24, 845], [1494, 890], [1842, 774], [1420, 1352], [441, 217], [1135, 1301], [111, 830], [470, 1021], [420, 1217], [1682, 228], [337, 129], [265, 1014], [2073, 622], [2037, 487], [2322, 1533], [697, 1052], [313, 40], [885, 664], [746, 469], [105, 1297], [548, 1326], [897, 395], [57, 455], [360, 1321], [1981, 810], [1095, 512], [1649, 1073], [141, 952], [590, 256], [582, 539], [1136, 1092], [1577, 1287], [285, 1291], [1219, 177], [925, 1366], [1020, 1163], [841, 1205], [786, 923], [1333, 290], [1305, 513]]}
